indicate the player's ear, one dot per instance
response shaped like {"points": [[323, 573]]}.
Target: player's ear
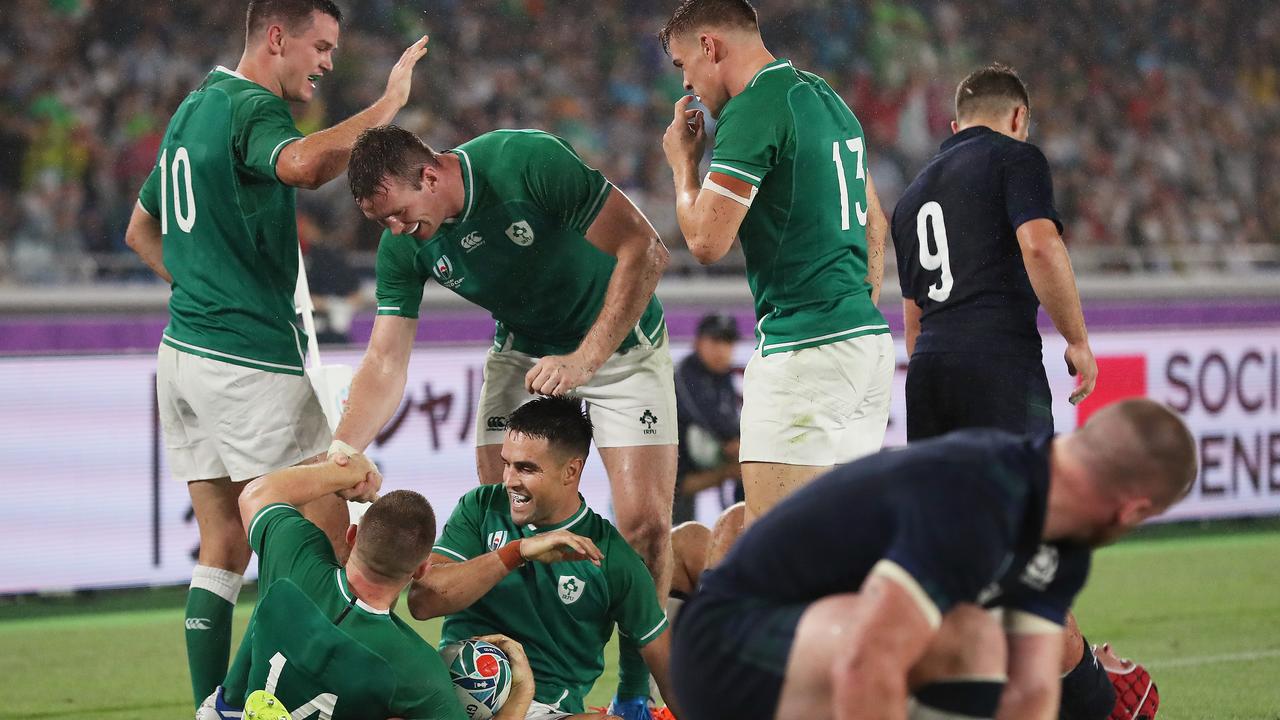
{"points": [[1019, 121], [573, 470], [351, 535], [421, 570], [1134, 510], [955, 127], [275, 39]]}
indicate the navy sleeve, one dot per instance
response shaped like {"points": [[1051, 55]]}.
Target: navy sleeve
{"points": [[1028, 187], [1048, 587]]}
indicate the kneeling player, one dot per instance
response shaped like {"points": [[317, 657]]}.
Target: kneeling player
{"points": [[529, 559], [859, 596]]}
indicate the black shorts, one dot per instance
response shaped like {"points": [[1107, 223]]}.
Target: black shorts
{"points": [[952, 391], [729, 656]]}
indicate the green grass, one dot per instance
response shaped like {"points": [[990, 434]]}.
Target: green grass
{"points": [[1200, 606]]}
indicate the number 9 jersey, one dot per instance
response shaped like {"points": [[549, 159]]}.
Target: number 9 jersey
{"points": [[228, 225], [954, 231]]}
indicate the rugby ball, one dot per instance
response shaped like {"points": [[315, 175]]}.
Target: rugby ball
{"points": [[481, 676]]}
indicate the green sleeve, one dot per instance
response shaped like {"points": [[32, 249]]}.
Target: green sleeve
{"points": [[399, 284], [149, 197], [262, 127], [561, 184], [749, 141], [461, 538], [633, 596], [290, 546]]}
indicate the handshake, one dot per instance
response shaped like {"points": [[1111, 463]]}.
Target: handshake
{"points": [[355, 466]]}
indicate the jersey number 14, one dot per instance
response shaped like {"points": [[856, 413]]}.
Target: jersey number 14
{"points": [[184, 211], [324, 704]]}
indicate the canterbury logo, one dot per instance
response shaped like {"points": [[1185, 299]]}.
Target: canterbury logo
{"points": [[199, 624]]}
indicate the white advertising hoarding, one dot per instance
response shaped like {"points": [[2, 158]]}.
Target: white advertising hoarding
{"points": [[89, 503]]}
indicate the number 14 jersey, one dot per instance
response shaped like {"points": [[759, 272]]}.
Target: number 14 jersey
{"points": [[230, 235]]}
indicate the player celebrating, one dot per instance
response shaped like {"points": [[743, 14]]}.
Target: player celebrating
{"points": [[216, 220], [911, 541], [323, 637], [531, 560], [977, 238], [515, 222], [789, 177]]}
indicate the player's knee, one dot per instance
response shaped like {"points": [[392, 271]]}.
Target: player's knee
{"points": [[647, 533], [690, 543], [970, 643], [225, 548]]}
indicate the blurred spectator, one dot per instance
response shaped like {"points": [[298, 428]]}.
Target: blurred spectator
{"points": [[1161, 117], [707, 405]]}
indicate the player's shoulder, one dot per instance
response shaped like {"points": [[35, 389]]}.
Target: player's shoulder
{"points": [[514, 145], [765, 98]]}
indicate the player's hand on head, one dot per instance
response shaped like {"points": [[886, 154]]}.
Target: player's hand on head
{"points": [[686, 136], [557, 374], [400, 80], [559, 546], [1081, 363]]}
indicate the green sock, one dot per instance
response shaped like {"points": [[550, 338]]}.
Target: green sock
{"points": [[210, 602], [633, 674]]}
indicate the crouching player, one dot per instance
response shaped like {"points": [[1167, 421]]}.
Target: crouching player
{"points": [[863, 595], [529, 559], [323, 637]]}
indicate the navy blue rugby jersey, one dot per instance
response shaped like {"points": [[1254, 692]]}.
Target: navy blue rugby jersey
{"points": [[962, 514], [954, 232]]}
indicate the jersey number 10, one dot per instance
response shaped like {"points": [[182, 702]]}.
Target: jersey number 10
{"points": [[184, 212], [930, 216]]}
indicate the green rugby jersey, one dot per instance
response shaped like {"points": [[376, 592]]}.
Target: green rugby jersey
{"points": [[315, 642], [230, 233], [792, 138], [519, 248], [563, 613]]}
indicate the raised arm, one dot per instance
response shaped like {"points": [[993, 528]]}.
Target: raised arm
{"points": [[358, 479], [708, 220], [1049, 268], [143, 237], [622, 231], [378, 384], [322, 156]]}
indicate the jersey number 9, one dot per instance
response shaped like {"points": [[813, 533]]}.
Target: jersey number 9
{"points": [[930, 216], [184, 211]]}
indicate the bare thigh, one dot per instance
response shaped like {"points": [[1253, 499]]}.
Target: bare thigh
{"points": [[767, 484]]}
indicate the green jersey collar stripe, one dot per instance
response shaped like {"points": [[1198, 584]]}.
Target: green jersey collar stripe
{"points": [[179, 344], [582, 512], [346, 595], [775, 65], [735, 171], [446, 551], [468, 182], [657, 629], [829, 336], [228, 71], [262, 513]]}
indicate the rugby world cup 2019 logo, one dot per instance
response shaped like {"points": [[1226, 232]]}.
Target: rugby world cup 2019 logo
{"points": [[443, 270], [497, 539]]}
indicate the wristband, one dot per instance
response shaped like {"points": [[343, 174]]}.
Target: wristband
{"points": [[337, 446], [509, 554]]}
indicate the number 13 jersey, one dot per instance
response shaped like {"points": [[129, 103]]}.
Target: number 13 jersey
{"points": [[955, 234], [230, 233], [792, 138]]}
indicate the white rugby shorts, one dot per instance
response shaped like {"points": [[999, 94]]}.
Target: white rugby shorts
{"points": [[820, 406], [223, 420], [631, 399]]}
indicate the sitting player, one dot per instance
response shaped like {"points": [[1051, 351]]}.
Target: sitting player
{"points": [[323, 637], [528, 558], [859, 596]]}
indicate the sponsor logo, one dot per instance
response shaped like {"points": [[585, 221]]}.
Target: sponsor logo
{"points": [[1042, 568], [496, 422], [443, 270], [497, 539], [570, 588], [520, 233], [472, 241], [199, 624], [648, 419]]}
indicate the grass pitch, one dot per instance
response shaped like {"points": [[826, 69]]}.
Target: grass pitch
{"points": [[1200, 606]]}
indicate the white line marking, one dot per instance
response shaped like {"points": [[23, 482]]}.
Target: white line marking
{"points": [[1213, 659]]}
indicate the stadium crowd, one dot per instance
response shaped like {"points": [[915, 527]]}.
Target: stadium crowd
{"points": [[1160, 118]]}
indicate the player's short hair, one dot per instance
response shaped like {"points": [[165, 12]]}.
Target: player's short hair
{"points": [[387, 152], [990, 90], [696, 14], [396, 534], [558, 420], [294, 15], [1140, 446]]}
